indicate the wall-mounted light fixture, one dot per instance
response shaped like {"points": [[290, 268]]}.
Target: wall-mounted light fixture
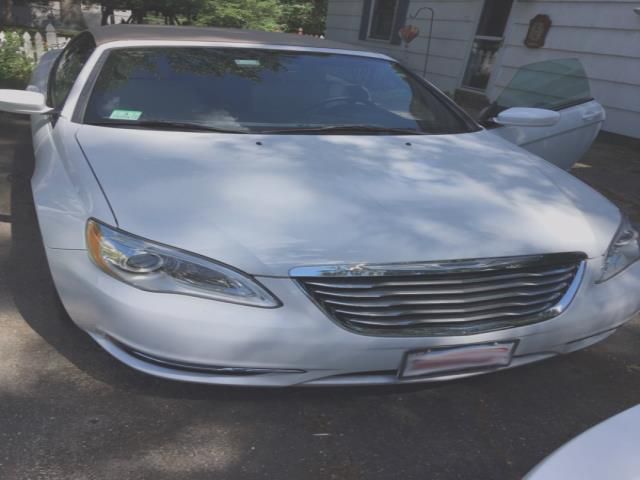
{"points": [[637, 10]]}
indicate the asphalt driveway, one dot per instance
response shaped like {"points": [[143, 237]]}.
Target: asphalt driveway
{"points": [[69, 411]]}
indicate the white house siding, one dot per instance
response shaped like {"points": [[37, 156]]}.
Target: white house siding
{"points": [[604, 35], [453, 29]]}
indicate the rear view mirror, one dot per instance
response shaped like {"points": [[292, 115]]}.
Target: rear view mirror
{"points": [[527, 117], [23, 101]]}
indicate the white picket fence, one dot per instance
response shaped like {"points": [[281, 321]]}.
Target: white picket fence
{"points": [[34, 46]]}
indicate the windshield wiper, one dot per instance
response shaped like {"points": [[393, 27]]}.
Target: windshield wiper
{"points": [[185, 126], [158, 124], [347, 129]]}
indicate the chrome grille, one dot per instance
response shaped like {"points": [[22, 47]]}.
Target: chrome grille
{"points": [[444, 298]]}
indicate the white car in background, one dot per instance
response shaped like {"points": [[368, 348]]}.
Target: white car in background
{"points": [[608, 450], [247, 208], [560, 86]]}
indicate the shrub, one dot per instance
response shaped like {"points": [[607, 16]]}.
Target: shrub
{"points": [[15, 68]]}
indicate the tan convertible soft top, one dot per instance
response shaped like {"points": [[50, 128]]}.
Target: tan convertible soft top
{"points": [[112, 33]]}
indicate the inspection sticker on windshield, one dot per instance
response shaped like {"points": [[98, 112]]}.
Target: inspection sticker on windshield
{"points": [[125, 115], [241, 62]]}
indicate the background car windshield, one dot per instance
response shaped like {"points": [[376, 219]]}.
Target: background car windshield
{"points": [[552, 84], [261, 90]]}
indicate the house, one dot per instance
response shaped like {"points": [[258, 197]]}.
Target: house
{"points": [[474, 47]]}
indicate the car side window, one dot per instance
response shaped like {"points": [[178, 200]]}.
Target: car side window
{"points": [[68, 68], [553, 84]]}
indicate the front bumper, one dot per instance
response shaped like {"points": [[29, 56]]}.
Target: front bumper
{"points": [[199, 340]]}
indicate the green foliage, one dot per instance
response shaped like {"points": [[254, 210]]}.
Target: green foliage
{"points": [[271, 15], [251, 14], [168, 7], [15, 68], [308, 14]]}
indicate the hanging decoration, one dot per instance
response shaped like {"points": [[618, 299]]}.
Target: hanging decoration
{"points": [[538, 28], [408, 33]]}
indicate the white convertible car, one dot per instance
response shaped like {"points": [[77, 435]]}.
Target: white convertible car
{"points": [[249, 208]]}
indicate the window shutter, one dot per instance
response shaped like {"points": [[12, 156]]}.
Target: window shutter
{"points": [[401, 18], [364, 21]]}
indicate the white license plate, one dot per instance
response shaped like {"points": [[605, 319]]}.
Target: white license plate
{"points": [[457, 359]]}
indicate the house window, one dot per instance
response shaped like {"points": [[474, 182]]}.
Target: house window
{"points": [[383, 18]]}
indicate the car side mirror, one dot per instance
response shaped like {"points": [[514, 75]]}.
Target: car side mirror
{"points": [[527, 117], [23, 101]]}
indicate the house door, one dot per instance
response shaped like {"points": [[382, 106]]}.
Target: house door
{"points": [[486, 43]]}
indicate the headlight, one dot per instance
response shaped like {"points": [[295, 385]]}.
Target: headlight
{"points": [[623, 251], [156, 268]]}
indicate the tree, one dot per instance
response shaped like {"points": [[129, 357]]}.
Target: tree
{"points": [[174, 12], [15, 68], [251, 14], [308, 14], [272, 15], [7, 12], [71, 14]]}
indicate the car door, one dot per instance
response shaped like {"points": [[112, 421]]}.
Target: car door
{"points": [[559, 85], [63, 187]]}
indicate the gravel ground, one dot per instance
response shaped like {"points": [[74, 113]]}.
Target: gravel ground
{"points": [[69, 411]]}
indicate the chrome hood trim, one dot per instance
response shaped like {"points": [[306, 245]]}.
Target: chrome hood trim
{"points": [[445, 266]]}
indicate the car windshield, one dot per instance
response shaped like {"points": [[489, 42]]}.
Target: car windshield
{"points": [[258, 90]]}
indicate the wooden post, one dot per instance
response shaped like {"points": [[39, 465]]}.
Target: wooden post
{"points": [[39, 43], [52, 37], [27, 46]]}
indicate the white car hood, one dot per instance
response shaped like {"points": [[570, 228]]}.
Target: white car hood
{"points": [[265, 204]]}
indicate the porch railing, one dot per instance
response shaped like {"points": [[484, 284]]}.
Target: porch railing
{"points": [[483, 55]]}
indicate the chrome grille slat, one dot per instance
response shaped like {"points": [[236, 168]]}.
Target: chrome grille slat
{"points": [[456, 300], [440, 281], [404, 321], [390, 312], [440, 298], [378, 293]]}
